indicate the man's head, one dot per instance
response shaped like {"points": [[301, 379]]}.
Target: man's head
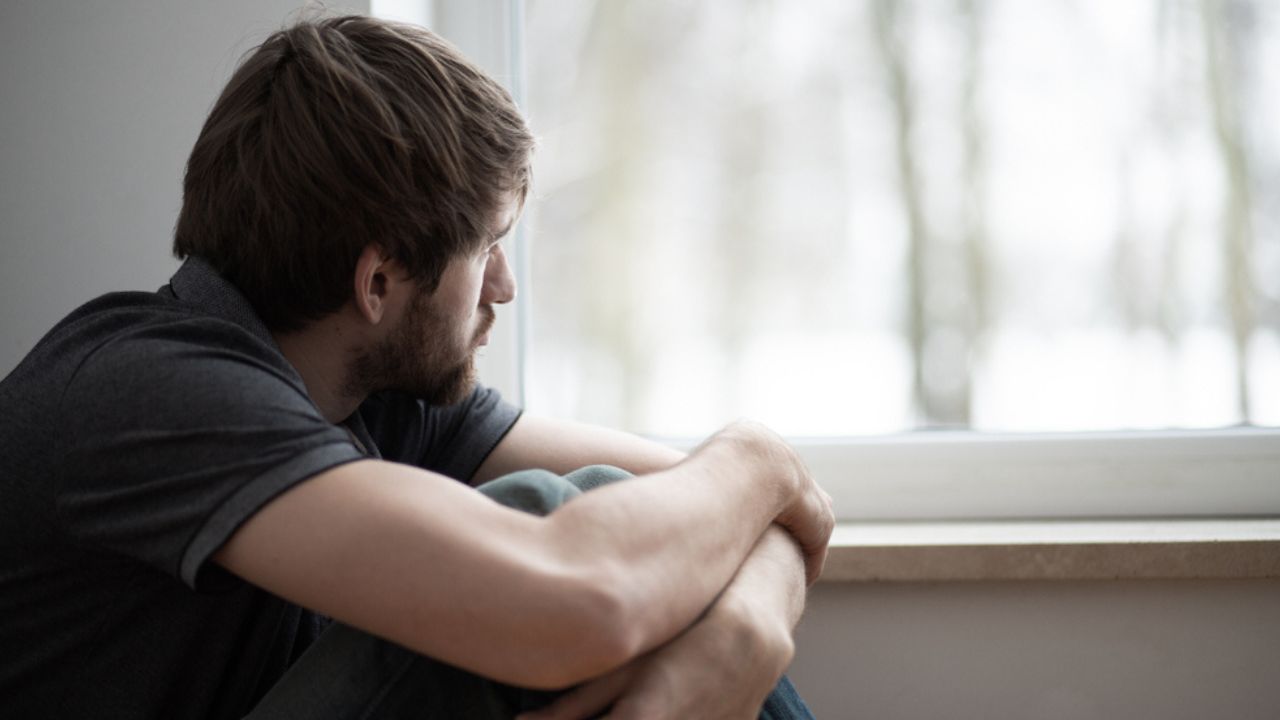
{"points": [[339, 135], [429, 345]]}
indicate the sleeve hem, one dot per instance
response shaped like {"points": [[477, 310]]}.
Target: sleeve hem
{"points": [[484, 455], [252, 497]]}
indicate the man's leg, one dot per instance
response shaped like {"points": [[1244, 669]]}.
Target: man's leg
{"points": [[350, 674], [784, 703]]}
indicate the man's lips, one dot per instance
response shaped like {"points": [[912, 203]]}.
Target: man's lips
{"points": [[486, 324]]}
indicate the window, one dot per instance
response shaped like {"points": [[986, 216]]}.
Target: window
{"points": [[856, 218]]}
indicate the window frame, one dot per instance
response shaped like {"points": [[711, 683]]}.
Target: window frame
{"points": [[925, 475]]}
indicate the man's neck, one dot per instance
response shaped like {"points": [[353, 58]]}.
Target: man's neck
{"points": [[319, 353]]}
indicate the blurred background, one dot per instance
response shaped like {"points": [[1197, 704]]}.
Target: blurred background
{"points": [[874, 216], [841, 216]]}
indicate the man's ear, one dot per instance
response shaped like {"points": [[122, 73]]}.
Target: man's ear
{"points": [[375, 278]]}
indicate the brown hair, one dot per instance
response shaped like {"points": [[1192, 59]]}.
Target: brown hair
{"points": [[339, 133]]}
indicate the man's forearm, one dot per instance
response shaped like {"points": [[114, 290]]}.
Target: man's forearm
{"points": [[765, 583], [725, 664], [770, 586], [562, 447], [679, 536]]}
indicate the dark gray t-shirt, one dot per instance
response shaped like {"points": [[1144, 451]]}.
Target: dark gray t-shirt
{"points": [[134, 440]]}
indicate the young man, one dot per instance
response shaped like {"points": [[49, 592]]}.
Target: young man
{"points": [[193, 482]]}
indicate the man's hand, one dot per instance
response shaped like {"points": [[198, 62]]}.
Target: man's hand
{"points": [[722, 668], [562, 447], [808, 516], [724, 665]]}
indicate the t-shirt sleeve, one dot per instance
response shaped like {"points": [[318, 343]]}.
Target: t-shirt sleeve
{"points": [[452, 440], [178, 434]]}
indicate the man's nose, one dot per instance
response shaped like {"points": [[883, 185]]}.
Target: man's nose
{"points": [[499, 281]]}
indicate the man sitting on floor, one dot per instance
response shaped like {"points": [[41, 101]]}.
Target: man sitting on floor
{"points": [[239, 495]]}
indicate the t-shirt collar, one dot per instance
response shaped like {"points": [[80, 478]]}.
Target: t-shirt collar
{"points": [[197, 283]]}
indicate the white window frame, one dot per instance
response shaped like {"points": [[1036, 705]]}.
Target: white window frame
{"points": [[928, 475]]}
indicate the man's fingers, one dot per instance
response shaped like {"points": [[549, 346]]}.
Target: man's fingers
{"points": [[814, 532], [814, 564], [809, 518]]}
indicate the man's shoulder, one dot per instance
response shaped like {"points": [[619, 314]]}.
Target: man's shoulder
{"points": [[125, 323], [171, 355], [122, 320], [140, 346], [123, 331]]}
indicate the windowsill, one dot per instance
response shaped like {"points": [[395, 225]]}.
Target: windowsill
{"points": [[1054, 550]]}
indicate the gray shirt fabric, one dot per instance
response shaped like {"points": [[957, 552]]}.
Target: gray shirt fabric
{"points": [[137, 436]]}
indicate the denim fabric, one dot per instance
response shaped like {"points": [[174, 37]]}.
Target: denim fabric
{"points": [[350, 674], [784, 703]]}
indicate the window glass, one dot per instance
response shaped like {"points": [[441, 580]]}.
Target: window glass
{"points": [[861, 217]]}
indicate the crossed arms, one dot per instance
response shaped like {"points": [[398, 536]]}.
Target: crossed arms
{"points": [[587, 592]]}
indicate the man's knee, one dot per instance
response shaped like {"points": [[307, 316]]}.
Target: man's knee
{"points": [[593, 476], [540, 491], [534, 491]]}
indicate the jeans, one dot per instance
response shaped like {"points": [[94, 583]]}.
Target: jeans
{"points": [[348, 673]]}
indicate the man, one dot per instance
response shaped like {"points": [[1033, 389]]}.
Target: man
{"points": [[193, 482]]}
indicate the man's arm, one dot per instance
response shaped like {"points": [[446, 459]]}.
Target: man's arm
{"points": [[723, 666], [542, 602], [751, 622], [562, 447]]}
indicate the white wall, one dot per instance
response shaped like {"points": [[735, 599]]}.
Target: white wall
{"points": [[1175, 650], [100, 103]]}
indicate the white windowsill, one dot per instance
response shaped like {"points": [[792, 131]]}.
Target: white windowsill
{"points": [[926, 476], [1054, 550]]}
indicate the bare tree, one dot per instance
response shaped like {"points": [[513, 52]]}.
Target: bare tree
{"points": [[608, 306], [1221, 37], [887, 28], [978, 308], [943, 329], [1173, 36], [741, 134]]}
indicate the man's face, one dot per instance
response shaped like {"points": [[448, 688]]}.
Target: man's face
{"points": [[431, 352]]}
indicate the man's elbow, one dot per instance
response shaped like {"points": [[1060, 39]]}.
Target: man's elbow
{"points": [[603, 631]]}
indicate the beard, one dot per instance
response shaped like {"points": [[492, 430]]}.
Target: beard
{"points": [[422, 357]]}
